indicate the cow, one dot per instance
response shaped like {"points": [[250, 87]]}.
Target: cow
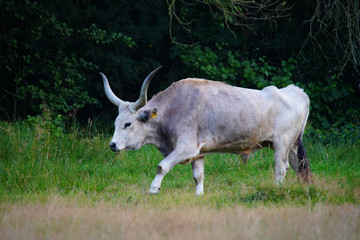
{"points": [[196, 117]]}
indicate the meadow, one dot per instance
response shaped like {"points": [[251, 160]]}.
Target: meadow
{"points": [[56, 185]]}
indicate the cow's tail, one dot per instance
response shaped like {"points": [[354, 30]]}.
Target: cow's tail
{"points": [[304, 170]]}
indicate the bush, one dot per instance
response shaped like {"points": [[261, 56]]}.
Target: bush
{"points": [[41, 63]]}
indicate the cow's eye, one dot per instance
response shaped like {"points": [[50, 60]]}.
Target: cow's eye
{"points": [[127, 125]]}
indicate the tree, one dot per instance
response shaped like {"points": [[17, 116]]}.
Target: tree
{"points": [[51, 52], [42, 62], [336, 23]]}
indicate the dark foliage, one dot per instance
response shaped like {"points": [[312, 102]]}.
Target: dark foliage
{"points": [[51, 53]]}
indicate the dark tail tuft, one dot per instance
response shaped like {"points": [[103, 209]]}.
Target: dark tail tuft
{"points": [[304, 172]]}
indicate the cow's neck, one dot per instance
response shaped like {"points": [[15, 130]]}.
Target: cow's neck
{"points": [[153, 137]]}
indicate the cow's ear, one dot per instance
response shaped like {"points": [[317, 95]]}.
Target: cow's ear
{"points": [[154, 113], [144, 116]]}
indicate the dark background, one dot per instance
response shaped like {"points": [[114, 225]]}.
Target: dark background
{"points": [[51, 53]]}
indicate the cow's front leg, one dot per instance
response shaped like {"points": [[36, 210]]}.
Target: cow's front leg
{"points": [[179, 155], [198, 173], [156, 183]]}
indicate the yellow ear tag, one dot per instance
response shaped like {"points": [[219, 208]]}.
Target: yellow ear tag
{"points": [[153, 114]]}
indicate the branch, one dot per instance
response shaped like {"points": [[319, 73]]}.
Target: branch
{"points": [[234, 12], [338, 23]]}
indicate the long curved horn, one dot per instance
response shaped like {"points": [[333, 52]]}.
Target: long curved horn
{"points": [[109, 93], [143, 93]]}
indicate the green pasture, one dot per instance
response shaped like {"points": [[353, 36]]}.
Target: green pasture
{"points": [[38, 163]]}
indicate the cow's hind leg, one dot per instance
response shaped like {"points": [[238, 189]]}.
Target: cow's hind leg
{"points": [[198, 173], [281, 161], [300, 162], [293, 158]]}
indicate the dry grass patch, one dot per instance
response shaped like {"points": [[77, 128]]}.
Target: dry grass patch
{"points": [[63, 219]]}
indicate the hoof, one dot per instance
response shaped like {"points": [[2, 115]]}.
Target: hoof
{"points": [[154, 190]]}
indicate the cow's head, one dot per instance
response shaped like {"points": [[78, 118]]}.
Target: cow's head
{"points": [[129, 125]]}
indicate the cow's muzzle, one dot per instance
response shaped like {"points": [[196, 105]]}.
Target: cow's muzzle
{"points": [[113, 147]]}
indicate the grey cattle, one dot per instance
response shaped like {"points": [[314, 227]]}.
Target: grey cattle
{"points": [[195, 117]]}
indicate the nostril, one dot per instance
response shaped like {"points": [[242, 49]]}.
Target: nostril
{"points": [[113, 146]]}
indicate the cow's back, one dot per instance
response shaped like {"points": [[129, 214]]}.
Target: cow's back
{"points": [[223, 115]]}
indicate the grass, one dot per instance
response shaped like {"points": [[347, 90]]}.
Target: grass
{"points": [[67, 180], [59, 219], [34, 164]]}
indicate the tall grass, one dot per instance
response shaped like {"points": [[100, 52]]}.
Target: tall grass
{"points": [[63, 220], [37, 164]]}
